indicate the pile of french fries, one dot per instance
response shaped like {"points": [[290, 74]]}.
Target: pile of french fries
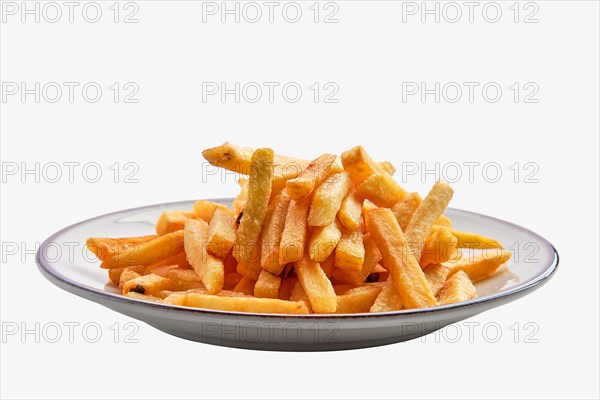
{"points": [[331, 235]]}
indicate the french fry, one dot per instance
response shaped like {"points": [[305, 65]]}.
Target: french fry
{"points": [[245, 285], [481, 266], [350, 251], [240, 201], [272, 233], [328, 198], [145, 297], [426, 215], [126, 276], [404, 209], [436, 275], [293, 237], [147, 284], [175, 299], [245, 304], [410, 282], [179, 259], [328, 266], [351, 210], [105, 248], [312, 176], [205, 209], [231, 280], [440, 246], [387, 300], [221, 234], [468, 240], [161, 270], [184, 279], [259, 192], [172, 221], [456, 289], [371, 259], [357, 300], [382, 190], [359, 164], [387, 167], [147, 253], [317, 286], [210, 269], [249, 266], [114, 275], [323, 241], [267, 285], [286, 288], [298, 294], [444, 221]]}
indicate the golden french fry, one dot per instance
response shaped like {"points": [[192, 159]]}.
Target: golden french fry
{"points": [[440, 246], [179, 259], [161, 270], [126, 276], [210, 269], [105, 248], [147, 284], [259, 192], [350, 251], [407, 275], [293, 238], [245, 285], [456, 289], [359, 164], [114, 275], [267, 285], [249, 266], [323, 241], [184, 279], [147, 253], [388, 299], [145, 297], [351, 210], [357, 300], [387, 167], [426, 215], [313, 175], [205, 209], [272, 233], [444, 221], [470, 240], [328, 198], [221, 234], [172, 221], [436, 275], [481, 266], [175, 299], [317, 286], [382, 190], [244, 304], [371, 259], [298, 294], [240, 201], [404, 209]]}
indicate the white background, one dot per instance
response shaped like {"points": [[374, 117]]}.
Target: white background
{"points": [[368, 54]]}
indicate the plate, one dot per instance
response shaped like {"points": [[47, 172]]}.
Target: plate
{"points": [[534, 261]]}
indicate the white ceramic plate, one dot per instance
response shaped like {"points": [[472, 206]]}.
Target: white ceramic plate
{"points": [[534, 261]]}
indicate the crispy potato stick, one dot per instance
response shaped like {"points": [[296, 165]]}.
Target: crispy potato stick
{"points": [[210, 269], [316, 172], [161, 270], [240, 201], [144, 297], [105, 248], [184, 279], [404, 209], [426, 215], [456, 289], [147, 284], [126, 276], [114, 275], [436, 275], [246, 286], [179, 259], [245, 304], [293, 238], [470, 240], [171, 221], [382, 190], [387, 167], [328, 266], [440, 246], [239, 159], [351, 210], [357, 300], [481, 266], [444, 221], [205, 209], [272, 233], [259, 192], [359, 164], [350, 251], [147, 253], [328, 198], [221, 234], [407, 275], [387, 300], [175, 299], [298, 294], [250, 266], [267, 285], [372, 258], [323, 241], [317, 286]]}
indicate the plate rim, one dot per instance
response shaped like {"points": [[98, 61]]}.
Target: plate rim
{"points": [[54, 276]]}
